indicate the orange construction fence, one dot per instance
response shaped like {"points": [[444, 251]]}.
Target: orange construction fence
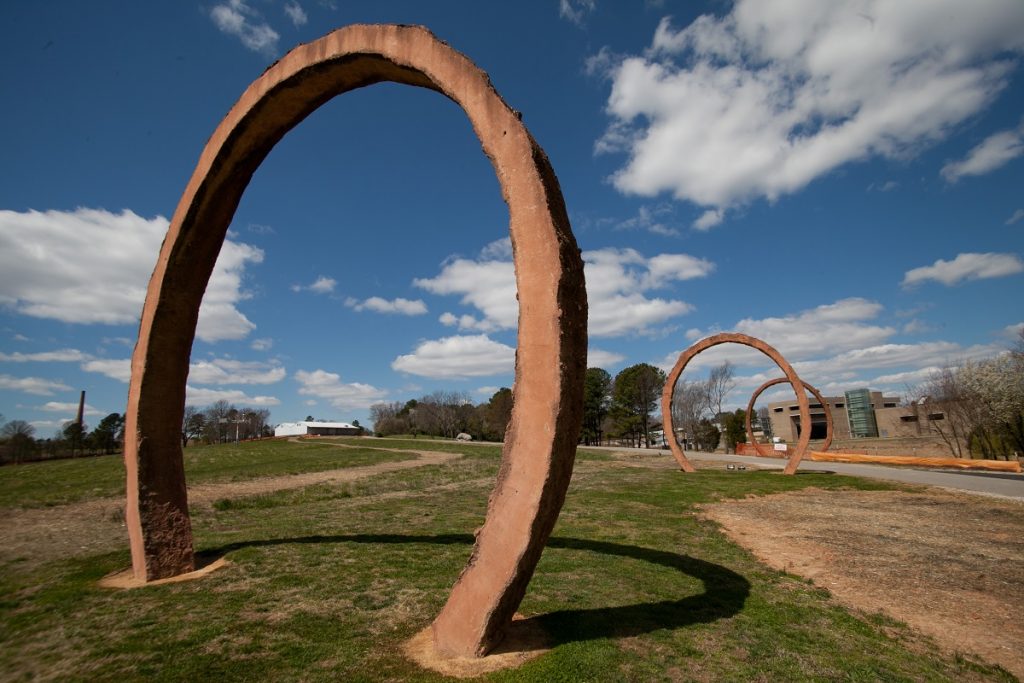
{"points": [[767, 450], [955, 463]]}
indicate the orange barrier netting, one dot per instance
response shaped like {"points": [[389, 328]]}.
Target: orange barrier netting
{"points": [[766, 451], [958, 463]]}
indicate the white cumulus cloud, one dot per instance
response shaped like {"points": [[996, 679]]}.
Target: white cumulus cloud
{"points": [[296, 13], [38, 386], [575, 10], [776, 93], [115, 368], [910, 377], [236, 18], [212, 371], [652, 219], [341, 395], [617, 280], [488, 284], [68, 408], [59, 356], [398, 306], [195, 396], [968, 266], [993, 152], [598, 358], [322, 285], [709, 219], [835, 347], [231, 371], [92, 266], [832, 328], [458, 357]]}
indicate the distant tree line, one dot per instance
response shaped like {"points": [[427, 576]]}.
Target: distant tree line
{"points": [[223, 422], [623, 409], [220, 422], [445, 414], [977, 409], [619, 410], [697, 410], [18, 442]]}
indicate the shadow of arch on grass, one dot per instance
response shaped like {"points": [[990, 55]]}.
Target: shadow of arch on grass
{"points": [[725, 591]]}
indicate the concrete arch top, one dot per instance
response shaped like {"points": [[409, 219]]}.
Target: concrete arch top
{"points": [[550, 359], [668, 393], [814, 392]]}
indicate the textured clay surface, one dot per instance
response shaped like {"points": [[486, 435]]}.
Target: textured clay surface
{"points": [[552, 346], [667, 394]]}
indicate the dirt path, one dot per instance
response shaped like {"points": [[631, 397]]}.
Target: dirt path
{"points": [[947, 564], [37, 535], [208, 493]]}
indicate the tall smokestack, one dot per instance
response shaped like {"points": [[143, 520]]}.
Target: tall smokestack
{"points": [[81, 411]]}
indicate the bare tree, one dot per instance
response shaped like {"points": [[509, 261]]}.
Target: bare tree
{"points": [[193, 423], [977, 407], [442, 413], [940, 394], [17, 436], [217, 415], [390, 418], [720, 382], [690, 405], [252, 422]]}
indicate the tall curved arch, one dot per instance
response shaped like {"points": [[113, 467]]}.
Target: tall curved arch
{"points": [[668, 393], [550, 358], [814, 392]]}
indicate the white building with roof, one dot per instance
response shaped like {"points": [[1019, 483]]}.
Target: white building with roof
{"points": [[306, 428]]}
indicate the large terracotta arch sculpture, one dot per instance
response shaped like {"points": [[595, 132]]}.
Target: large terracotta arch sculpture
{"points": [[668, 393], [814, 392], [552, 346]]}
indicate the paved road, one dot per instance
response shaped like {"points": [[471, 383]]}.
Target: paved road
{"points": [[1002, 484]]}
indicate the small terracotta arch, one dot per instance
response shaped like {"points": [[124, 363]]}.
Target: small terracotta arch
{"points": [[814, 392], [667, 394], [551, 355]]}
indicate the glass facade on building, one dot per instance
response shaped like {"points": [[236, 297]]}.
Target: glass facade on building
{"points": [[861, 414]]}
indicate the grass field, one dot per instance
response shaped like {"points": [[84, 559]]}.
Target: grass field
{"points": [[326, 583], [68, 481]]}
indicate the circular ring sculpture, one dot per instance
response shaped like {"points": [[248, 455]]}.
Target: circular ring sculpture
{"points": [[782, 380], [541, 439], [667, 394]]}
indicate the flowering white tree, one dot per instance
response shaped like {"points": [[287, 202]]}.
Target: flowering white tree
{"points": [[983, 402]]}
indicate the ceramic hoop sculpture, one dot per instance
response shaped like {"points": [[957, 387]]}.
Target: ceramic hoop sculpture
{"points": [[814, 392], [668, 393], [552, 345]]}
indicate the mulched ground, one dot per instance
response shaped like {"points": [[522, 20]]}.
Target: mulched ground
{"points": [[950, 565]]}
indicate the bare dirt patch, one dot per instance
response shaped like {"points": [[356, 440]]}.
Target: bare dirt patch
{"points": [[947, 564], [37, 535]]}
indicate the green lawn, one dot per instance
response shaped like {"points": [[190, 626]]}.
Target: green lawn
{"points": [[66, 481], [326, 583]]}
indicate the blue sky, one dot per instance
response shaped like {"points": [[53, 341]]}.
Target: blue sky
{"points": [[843, 180]]}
